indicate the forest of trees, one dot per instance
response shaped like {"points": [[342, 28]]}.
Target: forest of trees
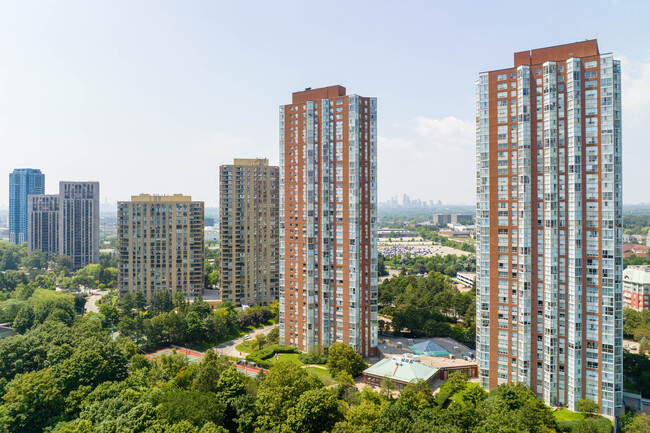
{"points": [[636, 224], [428, 307], [166, 320], [74, 378], [448, 265]]}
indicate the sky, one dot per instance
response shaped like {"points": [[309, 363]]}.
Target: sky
{"points": [[152, 96]]}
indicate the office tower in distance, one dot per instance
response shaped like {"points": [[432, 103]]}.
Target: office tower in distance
{"points": [[79, 222], [249, 232], [549, 263], [22, 182], [160, 245], [328, 220], [43, 223]]}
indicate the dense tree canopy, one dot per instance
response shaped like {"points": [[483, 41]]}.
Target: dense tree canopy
{"points": [[428, 306]]}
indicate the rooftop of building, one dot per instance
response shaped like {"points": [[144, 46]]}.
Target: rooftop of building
{"points": [[401, 371], [310, 94], [27, 170], [538, 56], [162, 198], [639, 274], [260, 162]]}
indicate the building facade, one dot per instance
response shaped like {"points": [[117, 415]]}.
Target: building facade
{"points": [[160, 245], [328, 220], [22, 183], [549, 265], [79, 222], [43, 223], [636, 287], [249, 230]]}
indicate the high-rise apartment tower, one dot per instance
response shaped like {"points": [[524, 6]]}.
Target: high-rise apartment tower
{"points": [[43, 222], [22, 182], [328, 220], [249, 230], [79, 222], [549, 263], [160, 245]]}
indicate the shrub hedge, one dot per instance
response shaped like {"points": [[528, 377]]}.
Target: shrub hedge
{"points": [[260, 356]]}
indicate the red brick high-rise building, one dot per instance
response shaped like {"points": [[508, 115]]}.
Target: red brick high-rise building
{"points": [[549, 211], [328, 220]]}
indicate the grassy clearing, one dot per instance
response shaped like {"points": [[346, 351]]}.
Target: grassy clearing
{"points": [[570, 421], [567, 415], [322, 373], [247, 346]]}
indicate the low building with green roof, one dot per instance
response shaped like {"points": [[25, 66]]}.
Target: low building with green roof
{"points": [[401, 370]]}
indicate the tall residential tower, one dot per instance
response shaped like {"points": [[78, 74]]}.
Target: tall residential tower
{"points": [[328, 220], [79, 222], [160, 245], [249, 231], [22, 182], [549, 263]]}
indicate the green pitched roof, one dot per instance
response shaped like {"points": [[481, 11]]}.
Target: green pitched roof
{"points": [[401, 371], [637, 274]]}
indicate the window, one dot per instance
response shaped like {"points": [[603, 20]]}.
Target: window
{"points": [[502, 86], [538, 72], [591, 74], [592, 64], [502, 77]]}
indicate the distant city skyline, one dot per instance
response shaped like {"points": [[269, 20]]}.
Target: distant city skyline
{"points": [[185, 87]]}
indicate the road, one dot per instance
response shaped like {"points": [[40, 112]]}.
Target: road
{"points": [[228, 348], [94, 297]]}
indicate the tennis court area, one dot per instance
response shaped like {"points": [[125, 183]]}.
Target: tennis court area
{"points": [[192, 356]]}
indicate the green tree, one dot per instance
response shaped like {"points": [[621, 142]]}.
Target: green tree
{"points": [[640, 424], [64, 263], [588, 406], [473, 394], [342, 357], [281, 390], [33, 401], [139, 300], [193, 406], [24, 319], [317, 411], [95, 360], [210, 369]]}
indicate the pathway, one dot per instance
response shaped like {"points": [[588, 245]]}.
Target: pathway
{"points": [[228, 348], [94, 297]]}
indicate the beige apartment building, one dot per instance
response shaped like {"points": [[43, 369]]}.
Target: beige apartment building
{"points": [[249, 231], [160, 245]]}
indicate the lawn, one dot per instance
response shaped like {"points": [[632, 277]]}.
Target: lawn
{"points": [[246, 346], [567, 415], [322, 373], [570, 421]]}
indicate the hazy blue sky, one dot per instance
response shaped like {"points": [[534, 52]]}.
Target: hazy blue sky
{"points": [[152, 96]]}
